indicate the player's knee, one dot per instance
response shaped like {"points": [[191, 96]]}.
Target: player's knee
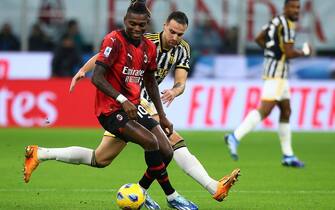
{"points": [[285, 114], [175, 138], [167, 156], [103, 163], [97, 162]]}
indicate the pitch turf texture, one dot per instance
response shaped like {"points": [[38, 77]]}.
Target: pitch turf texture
{"points": [[264, 183]]}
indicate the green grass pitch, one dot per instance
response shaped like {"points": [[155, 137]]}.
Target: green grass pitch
{"points": [[264, 183]]}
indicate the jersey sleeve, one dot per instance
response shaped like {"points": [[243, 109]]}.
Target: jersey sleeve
{"points": [[152, 63], [288, 31], [184, 57], [109, 51], [265, 27]]}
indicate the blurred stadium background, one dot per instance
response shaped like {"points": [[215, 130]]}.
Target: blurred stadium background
{"points": [[44, 42]]}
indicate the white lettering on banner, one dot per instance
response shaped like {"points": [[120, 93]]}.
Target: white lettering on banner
{"points": [[18, 106], [213, 105], [5, 95], [23, 103]]}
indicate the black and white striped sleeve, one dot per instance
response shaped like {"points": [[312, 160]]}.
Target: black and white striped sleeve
{"points": [[184, 56], [288, 30]]}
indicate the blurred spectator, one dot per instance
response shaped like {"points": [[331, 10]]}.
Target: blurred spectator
{"points": [[38, 40], [73, 31], [332, 71], [8, 41], [66, 58], [230, 41], [206, 39]]}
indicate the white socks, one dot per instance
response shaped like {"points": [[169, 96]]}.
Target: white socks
{"points": [[285, 138], [172, 196], [74, 155], [248, 124], [191, 166]]}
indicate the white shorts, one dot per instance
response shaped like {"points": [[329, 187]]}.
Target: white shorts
{"points": [[147, 103], [149, 106], [276, 90]]}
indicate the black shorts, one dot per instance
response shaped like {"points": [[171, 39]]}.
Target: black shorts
{"points": [[116, 121]]}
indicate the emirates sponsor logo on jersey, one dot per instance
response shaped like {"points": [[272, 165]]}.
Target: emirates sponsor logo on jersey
{"points": [[133, 75], [132, 72]]}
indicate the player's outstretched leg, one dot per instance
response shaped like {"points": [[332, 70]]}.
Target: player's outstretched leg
{"points": [[181, 203], [31, 161], [150, 204], [225, 184], [232, 144], [292, 161]]}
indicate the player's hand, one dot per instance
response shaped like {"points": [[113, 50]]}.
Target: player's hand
{"points": [[75, 79], [166, 125], [130, 109], [306, 49], [168, 96]]}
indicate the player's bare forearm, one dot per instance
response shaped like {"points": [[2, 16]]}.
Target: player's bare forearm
{"points": [[151, 86], [178, 88], [260, 39], [89, 65], [291, 52], [180, 78], [99, 80]]}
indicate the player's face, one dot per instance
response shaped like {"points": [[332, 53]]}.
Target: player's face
{"points": [[173, 33], [292, 10], [136, 25]]}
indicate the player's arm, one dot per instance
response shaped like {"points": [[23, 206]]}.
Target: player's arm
{"points": [[100, 82], [88, 66], [260, 39], [178, 88], [151, 86], [288, 34], [291, 52]]}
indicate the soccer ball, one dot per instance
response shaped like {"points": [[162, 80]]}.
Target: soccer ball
{"points": [[130, 197]]}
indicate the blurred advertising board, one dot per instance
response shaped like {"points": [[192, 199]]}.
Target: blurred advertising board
{"points": [[25, 65], [43, 103], [251, 67], [205, 104]]}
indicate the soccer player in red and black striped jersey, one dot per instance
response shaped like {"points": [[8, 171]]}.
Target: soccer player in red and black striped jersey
{"points": [[126, 59], [173, 54]]}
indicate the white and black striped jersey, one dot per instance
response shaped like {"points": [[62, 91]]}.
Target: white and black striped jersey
{"points": [[169, 60], [279, 30]]}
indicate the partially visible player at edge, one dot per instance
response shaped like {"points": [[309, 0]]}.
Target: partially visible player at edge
{"points": [[277, 39], [126, 59], [173, 54]]}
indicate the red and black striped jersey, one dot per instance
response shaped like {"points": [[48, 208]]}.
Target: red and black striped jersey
{"points": [[125, 64]]}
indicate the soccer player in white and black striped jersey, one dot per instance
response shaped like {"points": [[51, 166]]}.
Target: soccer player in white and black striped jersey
{"points": [[173, 54], [277, 39]]}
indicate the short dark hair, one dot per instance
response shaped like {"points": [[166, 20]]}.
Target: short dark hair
{"points": [[138, 7], [288, 1], [179, 17]]}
